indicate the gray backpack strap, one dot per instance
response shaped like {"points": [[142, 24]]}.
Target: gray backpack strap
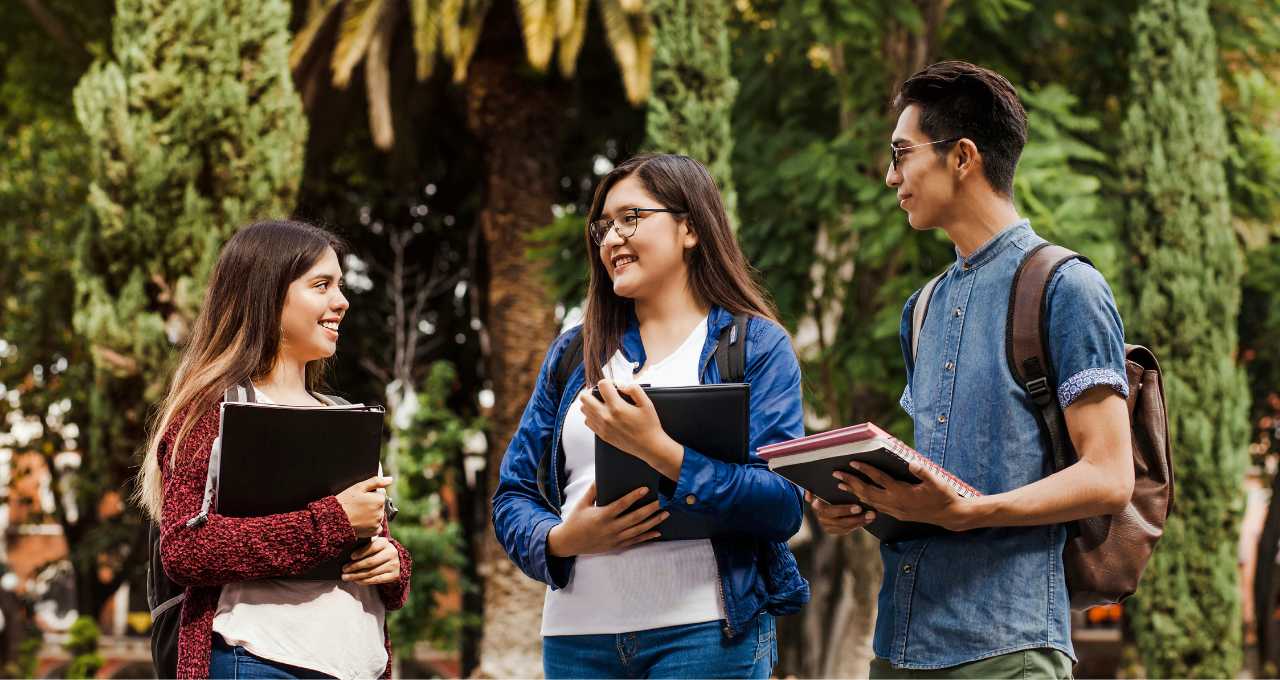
{"points": [[236, 394], [922, 308]]}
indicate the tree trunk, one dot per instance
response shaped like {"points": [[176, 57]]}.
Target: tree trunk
{"points": [[514, 113]]}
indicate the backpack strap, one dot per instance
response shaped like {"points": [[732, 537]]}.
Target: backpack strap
{"points": [[236, 394], [920, 310], [1026, 342], [569, 360], [730, 356], [731, 351]]}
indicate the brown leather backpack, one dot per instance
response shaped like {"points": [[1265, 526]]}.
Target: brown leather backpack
{"points": [[1105, 556]]}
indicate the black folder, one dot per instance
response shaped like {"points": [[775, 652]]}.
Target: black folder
{"points": [[277, 459], [710, 419]]}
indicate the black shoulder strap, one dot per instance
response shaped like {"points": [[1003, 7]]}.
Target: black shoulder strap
{"points": [[731, 351], [569, 360], [1027, 346]]}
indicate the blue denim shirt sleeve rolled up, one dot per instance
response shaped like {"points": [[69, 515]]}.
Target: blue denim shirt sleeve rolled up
{"points": [[1086, 335]]}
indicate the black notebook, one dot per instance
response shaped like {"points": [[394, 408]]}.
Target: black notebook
{"points": [[276, 459], [809, 462], [710, 419]]}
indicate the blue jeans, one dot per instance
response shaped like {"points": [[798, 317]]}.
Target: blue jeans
{"points": [[696, 650], [236, 662]]}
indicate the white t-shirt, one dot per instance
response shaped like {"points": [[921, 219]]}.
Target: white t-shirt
{"points": [[334, 627], [650, 585]]}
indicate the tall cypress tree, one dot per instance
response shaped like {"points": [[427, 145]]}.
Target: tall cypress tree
{"points": [[1185, 296], [194, 128], [693, 87]]}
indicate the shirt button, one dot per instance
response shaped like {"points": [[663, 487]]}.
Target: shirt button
{"points": [[956, 311], [942, 419], [690, 500], [950, 366], [906, 568]]}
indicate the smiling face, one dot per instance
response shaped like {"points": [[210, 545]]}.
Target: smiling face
{"points": [[313, 310], [653, 258], [923, 179]]}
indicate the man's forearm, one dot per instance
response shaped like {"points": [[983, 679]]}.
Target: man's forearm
{"points": [[1081, 490]]}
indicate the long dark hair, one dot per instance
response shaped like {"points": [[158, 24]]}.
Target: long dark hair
{"points": [[236, 336], [718, 271]]}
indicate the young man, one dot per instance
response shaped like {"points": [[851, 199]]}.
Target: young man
{"points": [[990, 602]]}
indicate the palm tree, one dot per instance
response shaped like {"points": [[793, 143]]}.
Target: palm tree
{"points": [[500, 54], [355, 32]]}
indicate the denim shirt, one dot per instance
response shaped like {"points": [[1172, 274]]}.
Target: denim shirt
{"points": [[957, 598]]}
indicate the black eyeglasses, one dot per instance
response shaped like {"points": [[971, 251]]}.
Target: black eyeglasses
{"points": [[630, 221], [896, 152]]}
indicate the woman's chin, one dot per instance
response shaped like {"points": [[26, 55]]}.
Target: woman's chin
{"points": [[624, 288]]}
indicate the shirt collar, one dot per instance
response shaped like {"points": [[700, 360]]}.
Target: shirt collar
{"points": [[718, 319], [993, 246]]}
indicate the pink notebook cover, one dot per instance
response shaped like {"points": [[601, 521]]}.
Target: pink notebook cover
{"points": [[857, 433], [844, 435]]}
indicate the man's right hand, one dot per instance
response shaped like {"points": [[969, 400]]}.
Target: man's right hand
{"points": [[365, 504], [839, 520], [589, 529]]}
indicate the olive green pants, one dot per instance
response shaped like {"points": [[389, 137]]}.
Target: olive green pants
{"points": [[1028, 664]]}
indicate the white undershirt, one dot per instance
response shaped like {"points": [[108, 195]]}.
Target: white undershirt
{"points": [[647, 586], [334, 627]]}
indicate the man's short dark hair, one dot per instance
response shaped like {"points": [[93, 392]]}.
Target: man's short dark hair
{"points": [[959, 99]]}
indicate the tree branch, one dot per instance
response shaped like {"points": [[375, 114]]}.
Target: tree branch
{"points": [[72, 51]]}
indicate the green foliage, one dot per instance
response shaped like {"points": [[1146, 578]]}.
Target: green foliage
{"points": [[193, 129], [44, 364], [1057, 185], [563, 246], [428, 448], [28, 655], [693, 88], [82, 645], [1185, 300]]}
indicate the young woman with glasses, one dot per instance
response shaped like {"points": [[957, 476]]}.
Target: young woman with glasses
{"points": [[666, 278]]}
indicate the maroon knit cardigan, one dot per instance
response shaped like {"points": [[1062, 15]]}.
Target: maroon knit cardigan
{"points": [[229, 549]]}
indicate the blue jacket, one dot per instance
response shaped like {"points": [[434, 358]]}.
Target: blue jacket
{"points": [[757, 570]]}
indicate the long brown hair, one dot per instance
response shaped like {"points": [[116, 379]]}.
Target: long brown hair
{"points": [[718, 271], [236, 336]]}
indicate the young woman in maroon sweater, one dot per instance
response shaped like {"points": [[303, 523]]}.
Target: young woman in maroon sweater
{"points": [[270, 317]]}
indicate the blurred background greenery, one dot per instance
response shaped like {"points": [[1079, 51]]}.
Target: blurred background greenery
{"points": [[455, 144]]}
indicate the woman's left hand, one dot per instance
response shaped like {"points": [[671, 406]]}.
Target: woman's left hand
{"points": [[374, 564], [633, 428]]}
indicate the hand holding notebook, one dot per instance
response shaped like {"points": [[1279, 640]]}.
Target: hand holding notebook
{"points": [[885, 461], [273, 458], [711, 419]]}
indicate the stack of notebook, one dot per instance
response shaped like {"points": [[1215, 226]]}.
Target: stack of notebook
{"points": [[809, 462]]}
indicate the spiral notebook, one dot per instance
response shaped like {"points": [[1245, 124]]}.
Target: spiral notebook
{"points": [[809, 462]]}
